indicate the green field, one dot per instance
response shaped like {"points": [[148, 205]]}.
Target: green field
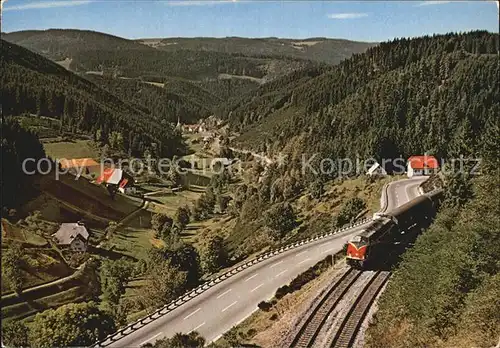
{"points": [[135, 237], [169, 203], [73, 149], [44, 127], [77, 199]]}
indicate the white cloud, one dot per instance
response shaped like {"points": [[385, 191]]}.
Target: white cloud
{"points": [[199, 3], [432, 2], [353, 15], [46, 4]]}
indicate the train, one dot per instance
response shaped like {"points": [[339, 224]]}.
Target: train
{"points": [[379, 238]]}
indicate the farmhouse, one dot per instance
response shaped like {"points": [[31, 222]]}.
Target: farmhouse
{"points": [[73, 236], [80, 166], [422, 165], [117, 178]]}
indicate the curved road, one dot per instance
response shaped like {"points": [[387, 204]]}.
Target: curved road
{"points": [[228, 303]]}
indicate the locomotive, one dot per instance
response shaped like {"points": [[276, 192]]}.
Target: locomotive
{"points": [[388, 229]]}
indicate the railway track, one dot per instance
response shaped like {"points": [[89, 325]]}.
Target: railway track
{"points": [[310, 329], [346, 332]]}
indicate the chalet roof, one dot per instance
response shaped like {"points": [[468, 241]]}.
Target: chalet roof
{"points": [[69, 232], [110, 176], [78, 163], [423, 162]]}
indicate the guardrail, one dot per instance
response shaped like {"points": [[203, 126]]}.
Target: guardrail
{"points": [[211, 283]]}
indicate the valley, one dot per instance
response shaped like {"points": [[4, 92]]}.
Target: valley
{"points": [[202, 191]]}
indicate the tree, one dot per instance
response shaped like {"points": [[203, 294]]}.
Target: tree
{"points": [[316, 188], [222, 202], [171, 235], [114, 275], [352, 208], [116, 140], [180, 340], [214, 254], [209, 200], [174, 175], [204, 205], [251, 209], [281, 219], [187, 259], [14, 333], [11, 267], [164, 282], [74, 324], [182, 217], [158, 222]]}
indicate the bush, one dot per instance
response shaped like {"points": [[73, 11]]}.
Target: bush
{"points": [[265, 306], [251, 333], [282, 291], [14, 334], [281, 219]]}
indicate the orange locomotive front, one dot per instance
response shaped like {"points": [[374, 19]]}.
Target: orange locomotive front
{"points": [[357, 251]]}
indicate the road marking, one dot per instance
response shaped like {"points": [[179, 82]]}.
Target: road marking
{"points": [[196, 311], [258, 286], [149, 339], [255, 275], [196, 328], [277, 275], [303, 252], [232, 304], [301, 262], [327, 251], [276, 264], [223, 293]]}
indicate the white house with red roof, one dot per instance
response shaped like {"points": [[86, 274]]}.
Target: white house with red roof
{"points": [[422, 165], [118, 177]]}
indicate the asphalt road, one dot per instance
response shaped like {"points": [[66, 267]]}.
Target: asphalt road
{"points": [[221, 307], [402, 191]]}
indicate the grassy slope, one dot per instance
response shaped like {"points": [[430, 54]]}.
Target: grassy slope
{"points": [[70, 149]]}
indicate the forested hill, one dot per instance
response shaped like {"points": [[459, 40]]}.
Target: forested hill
{"points": [[31, 83], [407, 96], [324, 50], [85, 51], [59, 44], [178, 100]]}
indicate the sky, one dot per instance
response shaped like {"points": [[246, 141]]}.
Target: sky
{"points": [[373, 21]]}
